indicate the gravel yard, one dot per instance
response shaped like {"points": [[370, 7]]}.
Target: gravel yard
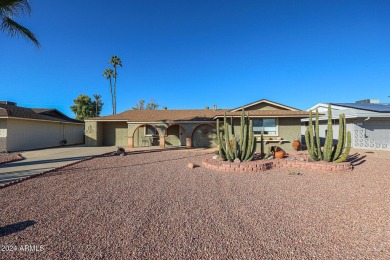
{"points": [[151, 205], [8, 157]]}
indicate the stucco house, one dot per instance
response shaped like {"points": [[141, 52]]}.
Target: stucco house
{"points": [[26, 129], [192, 128], [367, 120]]}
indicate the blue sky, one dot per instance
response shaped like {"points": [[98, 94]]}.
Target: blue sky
{"points": [[192, 54]]}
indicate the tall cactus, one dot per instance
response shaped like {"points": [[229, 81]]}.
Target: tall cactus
{"points": [[318, 140], [245, 148], [329, 153]]}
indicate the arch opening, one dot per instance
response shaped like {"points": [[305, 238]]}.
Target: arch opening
{"points": [[146, 136]]}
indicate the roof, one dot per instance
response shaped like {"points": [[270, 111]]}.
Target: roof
{"points": [[39, 114], [162, 115], [265, 101], [192, 115], [379, 108]]}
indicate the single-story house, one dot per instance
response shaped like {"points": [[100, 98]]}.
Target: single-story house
{"points": [[26, 129], [192, 128], [367, 120]]}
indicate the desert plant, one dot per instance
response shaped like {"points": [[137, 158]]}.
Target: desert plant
{"points": [[228, 146], [330, 152]]}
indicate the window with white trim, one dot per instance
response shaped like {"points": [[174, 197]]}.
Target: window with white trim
{"points": [[150, 131], [268, 125]]}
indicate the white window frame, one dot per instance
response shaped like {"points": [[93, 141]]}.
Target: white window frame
{"points": [[276, 126], [145, 131]]}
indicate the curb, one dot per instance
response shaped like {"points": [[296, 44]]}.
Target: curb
{"points": [[2, 186]]}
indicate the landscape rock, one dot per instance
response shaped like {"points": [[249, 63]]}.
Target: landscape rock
{"points": [[191, 165]]}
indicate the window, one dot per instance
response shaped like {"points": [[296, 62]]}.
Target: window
{"points": [[267, 125], [150, 130]]}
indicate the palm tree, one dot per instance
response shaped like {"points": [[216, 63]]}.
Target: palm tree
{"points": [[15, 8], [115, 61], [109, 73], [98, 104]]}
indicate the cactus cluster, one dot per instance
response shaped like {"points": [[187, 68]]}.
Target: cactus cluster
{"points": [[230, 148], [330, 152]]}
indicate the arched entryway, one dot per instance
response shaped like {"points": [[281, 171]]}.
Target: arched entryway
{"points": [[175, 136], [145, 136], [204, 136]]}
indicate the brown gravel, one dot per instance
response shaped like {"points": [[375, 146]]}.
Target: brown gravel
{"points": [[151, 205], [9, 157]]}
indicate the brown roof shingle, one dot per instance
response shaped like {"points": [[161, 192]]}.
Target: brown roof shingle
{"points": [[192, 115], [22, 112]]}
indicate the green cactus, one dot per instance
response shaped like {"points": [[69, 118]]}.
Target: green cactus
{"points": [[347, 149], [267, 155], [341, 140], [318, 140], [330, 152], [244, 149], [329, 138]]}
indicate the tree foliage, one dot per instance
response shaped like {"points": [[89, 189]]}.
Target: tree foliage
{"points": [[85, 108], [152, 105], [9, 9]]}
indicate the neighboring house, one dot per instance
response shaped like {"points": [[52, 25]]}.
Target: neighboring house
{"points": [[26, 129], [192, 128], [368, 121]]}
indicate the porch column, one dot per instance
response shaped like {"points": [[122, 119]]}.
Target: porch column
{"points": [[130, 142], [162, 141], [188, 142]]}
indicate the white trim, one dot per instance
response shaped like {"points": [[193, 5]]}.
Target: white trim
{"points": [[170, 122], [151, 122], [117, 120], [259, 116], [264, 101], [31, 119], [325, 106], [276, 127]]}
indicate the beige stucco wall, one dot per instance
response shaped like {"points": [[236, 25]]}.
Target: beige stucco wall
{"points": [[263, 106], [287, 129], [115, 133], [34, 134], [140, 139], [176, 136], [93, 133], [204, 136], [3, 135]]}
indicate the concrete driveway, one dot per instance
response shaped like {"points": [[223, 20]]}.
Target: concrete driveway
{"points": [[38, 161]]}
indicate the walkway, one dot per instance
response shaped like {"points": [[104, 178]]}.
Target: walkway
{"points": [[38, 161]]}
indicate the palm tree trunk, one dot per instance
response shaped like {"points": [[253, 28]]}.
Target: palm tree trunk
{"points": [[112, 97], [114, 90]]}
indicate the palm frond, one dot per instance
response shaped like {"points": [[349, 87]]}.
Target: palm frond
{"points": [[14, 29], [12, 8]]}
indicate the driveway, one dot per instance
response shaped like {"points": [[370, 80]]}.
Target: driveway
{"points": [[38, 161]]}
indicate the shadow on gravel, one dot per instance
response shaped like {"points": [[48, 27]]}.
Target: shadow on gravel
{"points": [[16, 164], [14, 228], [156, 150], [356, 159]]}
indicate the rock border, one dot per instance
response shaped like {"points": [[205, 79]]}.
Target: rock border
{"points": [[264, 165], [2, 186]]}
